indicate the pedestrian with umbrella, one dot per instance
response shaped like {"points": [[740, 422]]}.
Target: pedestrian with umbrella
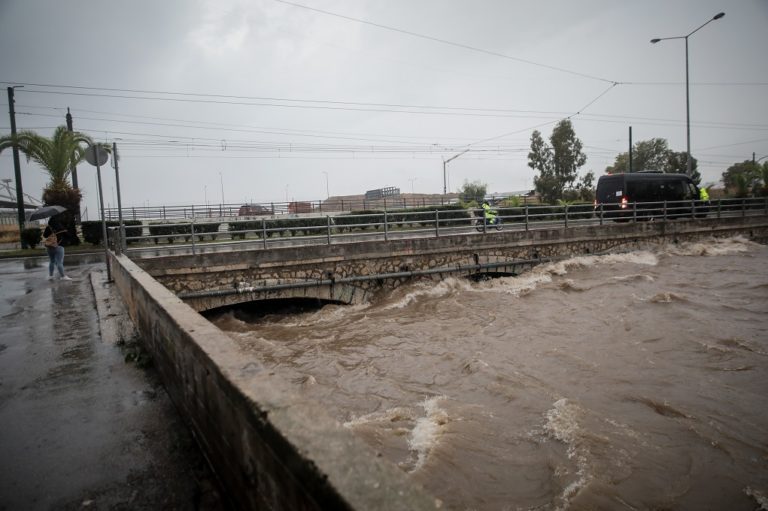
{"points": [[52, 238]]}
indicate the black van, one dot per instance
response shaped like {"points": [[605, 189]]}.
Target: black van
{"points": [[653, 193]]}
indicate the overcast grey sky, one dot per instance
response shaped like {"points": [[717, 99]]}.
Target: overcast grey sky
{"points": [[272, 100]]}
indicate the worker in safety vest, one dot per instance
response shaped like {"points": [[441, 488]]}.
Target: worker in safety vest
{"points": [[490, 215], [703, 194]]}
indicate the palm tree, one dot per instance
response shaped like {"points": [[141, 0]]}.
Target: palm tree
{"points": [[56, 155]]}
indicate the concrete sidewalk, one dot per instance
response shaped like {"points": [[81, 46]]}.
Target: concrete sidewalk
{"points": [[81, 428]]}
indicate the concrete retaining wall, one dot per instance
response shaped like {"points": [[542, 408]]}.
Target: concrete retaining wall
{"points": [[270, 448]]}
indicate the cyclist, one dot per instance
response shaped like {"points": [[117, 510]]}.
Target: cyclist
{"points": [[488, 213]]}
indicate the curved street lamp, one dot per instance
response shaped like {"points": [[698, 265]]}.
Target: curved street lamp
{"points": [[687, 87], [445, 187]]}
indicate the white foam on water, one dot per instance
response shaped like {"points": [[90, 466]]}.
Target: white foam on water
{"points": [[426, 432], [517, 286], [759, 496], [395, 414], [633, 277], [543, 273], [327, 314], [563, 425], [443, 288], [712, 247]]}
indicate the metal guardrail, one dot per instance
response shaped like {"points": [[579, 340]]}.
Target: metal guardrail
{"points": [[314, 230], [195, 211], [318, 207]]}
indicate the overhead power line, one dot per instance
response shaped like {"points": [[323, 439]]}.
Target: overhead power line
{"points": [[450, 43], [245, 100]]}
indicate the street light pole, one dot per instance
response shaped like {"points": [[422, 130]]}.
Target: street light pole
{"points": [[445, 185], [689, 163]]}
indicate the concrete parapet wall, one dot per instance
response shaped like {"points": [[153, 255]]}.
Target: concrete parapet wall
{"points": [[270, 448]]}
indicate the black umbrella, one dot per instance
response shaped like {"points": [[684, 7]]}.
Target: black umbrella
{"points": [[45, 212]]}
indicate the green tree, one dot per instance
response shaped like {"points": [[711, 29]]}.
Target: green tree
{"points": [[677, 163], [739, 178], [620, 165], [764, 176], [558, 163], [474, 191], [586, 187], [650, 154], [655, 154], [55, 155]]}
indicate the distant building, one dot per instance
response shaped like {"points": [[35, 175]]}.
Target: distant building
{"points": [[300, 207], [382, 193]]}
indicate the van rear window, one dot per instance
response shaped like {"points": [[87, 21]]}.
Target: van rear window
{"points": [[610, 189]]}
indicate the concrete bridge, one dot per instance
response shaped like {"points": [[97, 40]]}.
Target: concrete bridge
{"points": [[270, 446], [352, 272]]}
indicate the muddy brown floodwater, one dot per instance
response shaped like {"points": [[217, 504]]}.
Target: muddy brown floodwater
{"points": [[627, 381]]}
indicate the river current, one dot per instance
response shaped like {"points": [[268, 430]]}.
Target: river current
{"points": [[628, 381]]}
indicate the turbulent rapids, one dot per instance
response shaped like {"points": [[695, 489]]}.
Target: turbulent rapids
{"points": [[625, 381]]}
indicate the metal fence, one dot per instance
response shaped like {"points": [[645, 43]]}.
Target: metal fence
{"points": [[318, 207], [163, 237]]}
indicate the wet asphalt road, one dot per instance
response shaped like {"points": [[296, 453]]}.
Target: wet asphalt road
{"points": [[81, 428]]}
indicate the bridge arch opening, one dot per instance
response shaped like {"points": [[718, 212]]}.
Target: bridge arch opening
{"points": [[271, 309]]}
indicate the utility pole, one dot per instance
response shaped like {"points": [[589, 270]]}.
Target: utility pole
{"points": [[72, 162], [17, 169]]}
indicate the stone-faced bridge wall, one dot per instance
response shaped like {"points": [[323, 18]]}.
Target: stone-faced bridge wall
{"points": [[353, 272]]}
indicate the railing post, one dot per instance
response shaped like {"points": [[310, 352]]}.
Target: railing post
{"points": [[119, 242], [665, 211], [164, 213], [386, 226], [437, 223], [566, 216], [743, 207], [720, 203], [634, 212], [601, 213], [526, 217], [192, 228], [264, 232], [328, 227]]}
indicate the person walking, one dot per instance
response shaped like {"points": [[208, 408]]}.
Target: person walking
{"points": [[52, 238]]}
